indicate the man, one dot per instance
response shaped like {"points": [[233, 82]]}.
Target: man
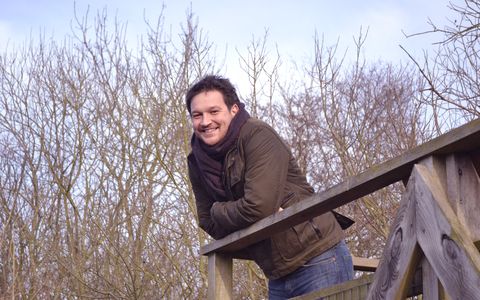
{"points": [[241, 171]]}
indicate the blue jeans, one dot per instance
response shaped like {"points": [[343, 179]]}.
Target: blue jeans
{"points": [[332, 267]]}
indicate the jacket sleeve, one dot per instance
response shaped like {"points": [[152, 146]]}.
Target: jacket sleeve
{"points": [[266, 168], [204, 202]]}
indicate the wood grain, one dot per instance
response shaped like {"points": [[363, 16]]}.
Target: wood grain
{"points": [[444, 241], [464, 192], [353, 289], [432, 288], [220, 271], [365, 264], [475, 156], [401, 255]]}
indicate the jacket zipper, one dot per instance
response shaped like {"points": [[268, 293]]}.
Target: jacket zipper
{"points": [[286, 198], [316, 228]]}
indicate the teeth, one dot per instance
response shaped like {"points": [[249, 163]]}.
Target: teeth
{"points": [[209, 130]]}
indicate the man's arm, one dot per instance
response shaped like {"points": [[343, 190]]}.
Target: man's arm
{"points": [[204, 202], [266, 168]]}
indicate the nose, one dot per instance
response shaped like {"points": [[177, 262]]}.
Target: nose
{"points": [[206, 120]]}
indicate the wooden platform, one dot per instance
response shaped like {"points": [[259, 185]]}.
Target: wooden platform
{"points": [[437, 224]]}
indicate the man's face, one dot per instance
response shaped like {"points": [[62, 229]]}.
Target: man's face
{"points": [[211, 116]]}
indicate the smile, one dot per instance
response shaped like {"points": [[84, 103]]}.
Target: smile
{"points": [[210, 130]]}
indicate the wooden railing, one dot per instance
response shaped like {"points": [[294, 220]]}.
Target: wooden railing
{"points": [[438, 220]]}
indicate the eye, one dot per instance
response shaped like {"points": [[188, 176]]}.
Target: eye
{"points": [[196, 116]]}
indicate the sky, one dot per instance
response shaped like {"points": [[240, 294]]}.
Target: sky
{"points": [[233, 24]]}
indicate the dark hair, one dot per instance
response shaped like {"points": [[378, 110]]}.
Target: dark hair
{"points": [[213, 83]]}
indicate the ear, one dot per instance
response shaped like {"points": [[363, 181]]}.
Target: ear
{"points": [[234, 110]]}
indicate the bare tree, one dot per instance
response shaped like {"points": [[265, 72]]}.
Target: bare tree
{"points": [[262, 75], [453, 71], [95, 198]]}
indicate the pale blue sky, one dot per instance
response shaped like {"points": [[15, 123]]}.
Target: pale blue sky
{"points": [[291, 24]]}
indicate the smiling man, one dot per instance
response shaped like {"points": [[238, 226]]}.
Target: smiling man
{"points": [[241, 171], [211, 116]]}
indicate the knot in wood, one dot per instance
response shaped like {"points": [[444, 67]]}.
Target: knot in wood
{"points": [[450, 247]]}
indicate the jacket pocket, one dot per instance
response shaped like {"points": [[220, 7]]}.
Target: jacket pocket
{"points": [[286, 199], [298, 238], [315, 227]]}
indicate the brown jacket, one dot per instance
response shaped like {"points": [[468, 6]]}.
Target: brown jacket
{"points": [[260, 175]]}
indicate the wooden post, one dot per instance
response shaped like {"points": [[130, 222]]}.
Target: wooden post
{"points": [[401, 255], [444, 241], [432, 287], [220, 272], [425, 222], [464, 193], [457, 177]]}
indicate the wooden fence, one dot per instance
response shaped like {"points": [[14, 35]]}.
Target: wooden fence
{"points": [[436, 231]]}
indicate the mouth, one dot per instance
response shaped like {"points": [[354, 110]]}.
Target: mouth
{"points": [[209, 130]]}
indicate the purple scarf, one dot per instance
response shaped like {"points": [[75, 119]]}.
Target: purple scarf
{"points": [[210, 158]]}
